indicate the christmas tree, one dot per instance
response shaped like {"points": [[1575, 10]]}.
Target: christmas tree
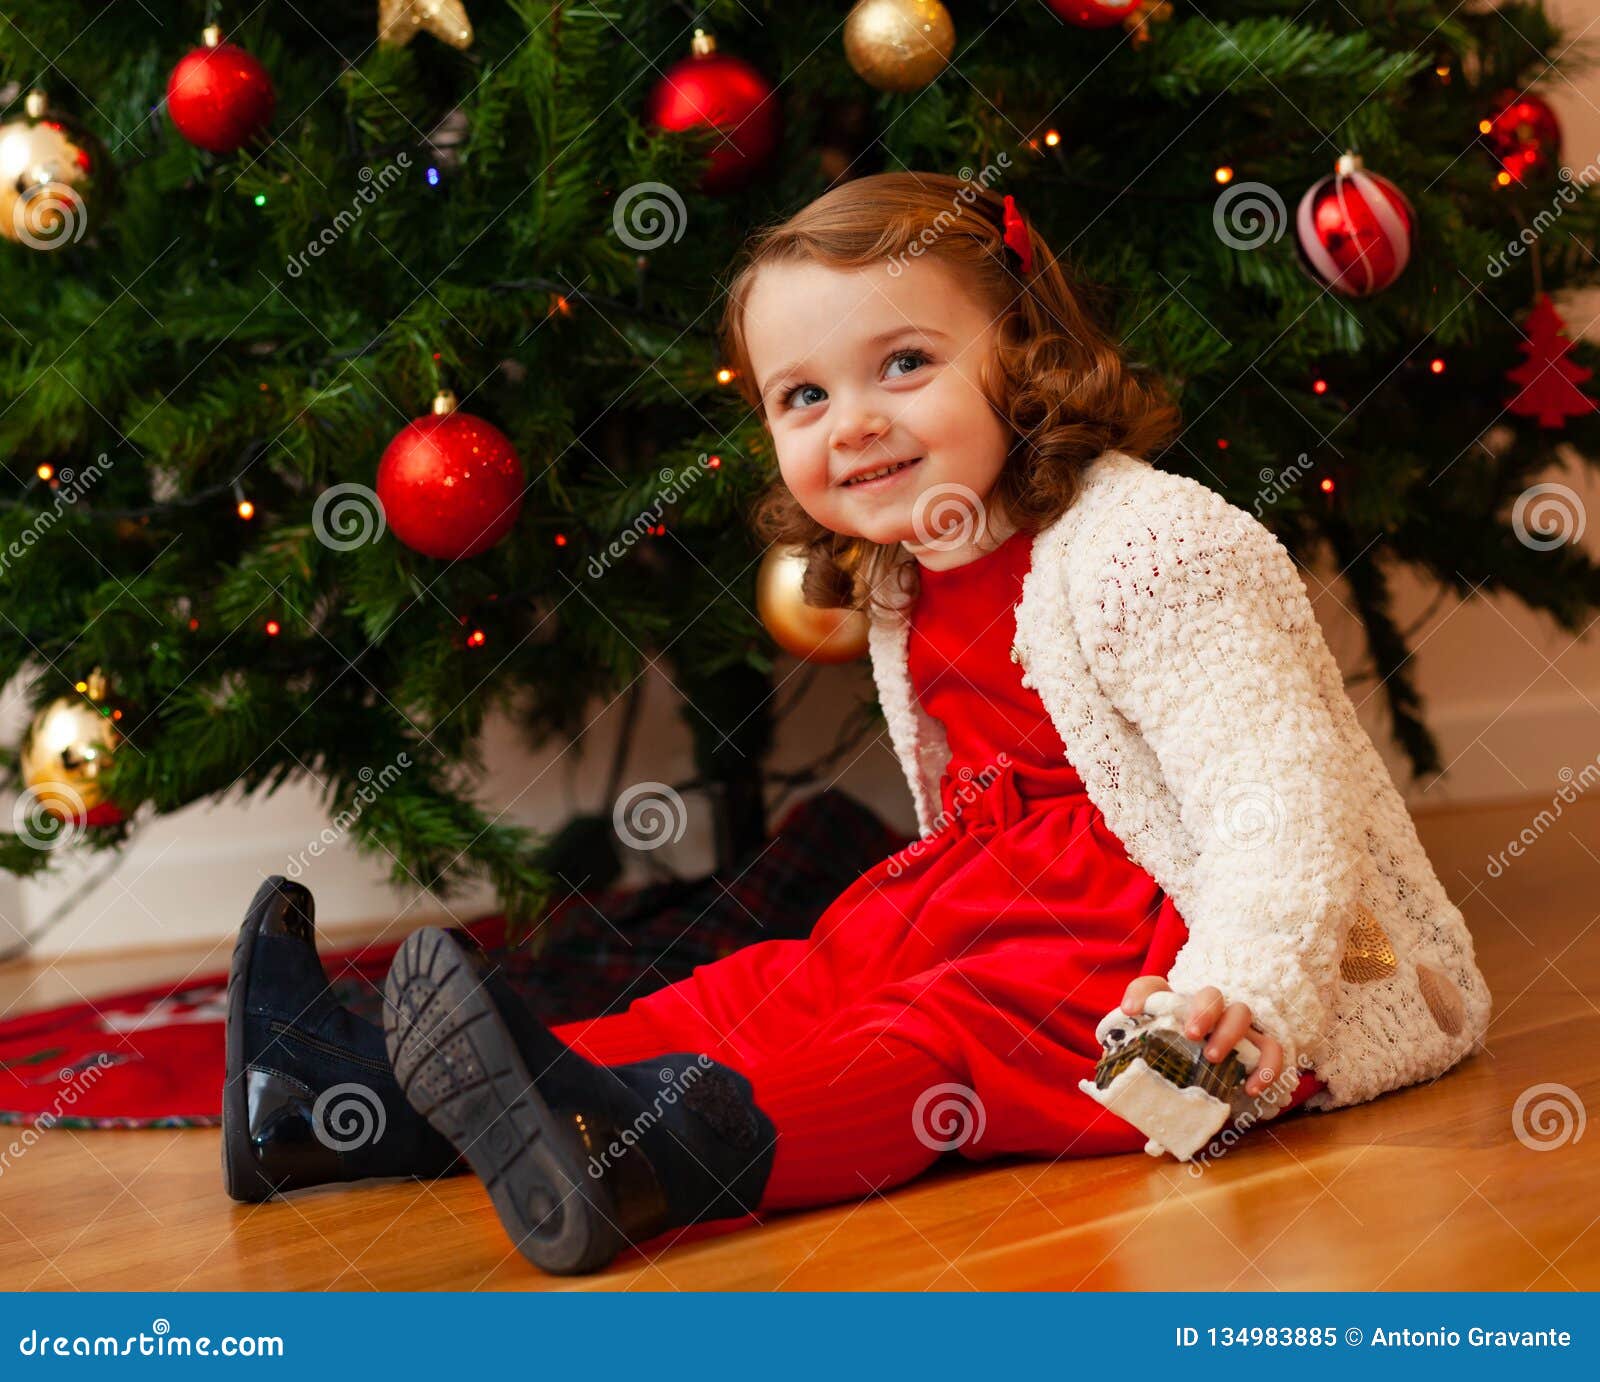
{"points": [[361, 370]]}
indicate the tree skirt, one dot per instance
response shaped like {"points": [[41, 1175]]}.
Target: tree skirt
{"points": [[153, 1057]]}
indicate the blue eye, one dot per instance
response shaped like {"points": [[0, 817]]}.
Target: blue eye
{"points": [[920, 356]]}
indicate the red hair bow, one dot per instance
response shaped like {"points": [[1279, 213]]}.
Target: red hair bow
{"points": [[1016, 235]]}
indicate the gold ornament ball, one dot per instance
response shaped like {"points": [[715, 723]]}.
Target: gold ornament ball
{"points": [[67, 747], [807, 631], [52, 171], [899, 45]]}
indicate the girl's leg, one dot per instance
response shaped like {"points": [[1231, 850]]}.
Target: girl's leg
{"points": [[855, 1115]]}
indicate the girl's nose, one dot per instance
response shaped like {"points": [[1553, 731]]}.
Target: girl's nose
{"points": [[858, 428]]}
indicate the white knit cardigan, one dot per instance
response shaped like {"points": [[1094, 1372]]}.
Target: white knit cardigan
{"points": [[1170, 638]]}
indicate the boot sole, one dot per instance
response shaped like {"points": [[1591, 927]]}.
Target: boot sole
{"points": [[461, 1069], [241, 1173]]}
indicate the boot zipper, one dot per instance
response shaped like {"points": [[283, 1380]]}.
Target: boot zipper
{"points": [[295, 1034]]}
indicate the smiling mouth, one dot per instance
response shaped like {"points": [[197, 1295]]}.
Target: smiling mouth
{"points": [[883, 473]]}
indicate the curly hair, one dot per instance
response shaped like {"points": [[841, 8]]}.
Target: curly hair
{"points": [[1065, 387]]}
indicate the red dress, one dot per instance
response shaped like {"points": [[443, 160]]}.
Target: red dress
{"points": [[946, 1000]]}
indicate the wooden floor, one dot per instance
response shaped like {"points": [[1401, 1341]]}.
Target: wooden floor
{"points": [[1429, 1187]]}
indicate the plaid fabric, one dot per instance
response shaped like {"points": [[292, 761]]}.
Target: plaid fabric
{"points": [[153, 1057], [608, 949]]}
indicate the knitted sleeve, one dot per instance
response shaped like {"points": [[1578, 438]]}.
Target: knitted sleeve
{"points": [[1195, 621]]}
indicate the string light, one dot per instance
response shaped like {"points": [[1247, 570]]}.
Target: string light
{"points": [[433, 177], [244, 507], [476, 639], [1052, 137], [1224, 174], [1502, 178], [713, 462], [274, 628], [1222, 443], [1326, 485], [45, 471], [1436, 365], [724, 375], [561, 539], [261, 198], [1320, 386]]}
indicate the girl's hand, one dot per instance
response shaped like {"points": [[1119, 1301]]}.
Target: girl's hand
{"points": [[1226, 1022]]}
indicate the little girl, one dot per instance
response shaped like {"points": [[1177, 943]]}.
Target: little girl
{"points": [[1133, 763]]}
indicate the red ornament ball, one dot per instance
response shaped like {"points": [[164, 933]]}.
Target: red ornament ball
{"points": [[1524, 135], [219, 96], [1094, 14], [1355, 230], [716, 90], [450, 483]]}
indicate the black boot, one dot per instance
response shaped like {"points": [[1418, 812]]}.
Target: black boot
{"points": [[310, 1095], [579, 1159]]}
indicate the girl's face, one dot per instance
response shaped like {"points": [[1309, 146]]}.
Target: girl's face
{"points": [[862, 369]]}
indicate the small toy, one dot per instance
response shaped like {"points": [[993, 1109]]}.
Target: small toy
{"points": [[1158, 1079]]}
